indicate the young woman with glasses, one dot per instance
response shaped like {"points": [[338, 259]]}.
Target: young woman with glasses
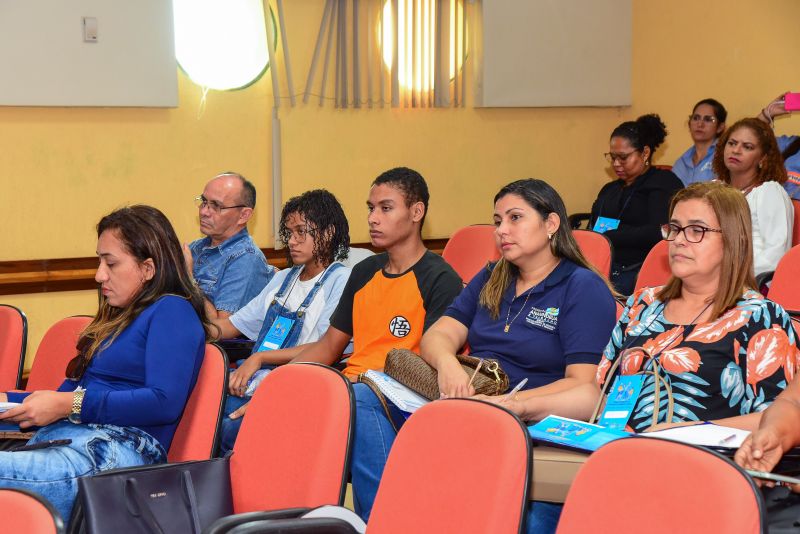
{"points": [[706, 124], [631, 209], [137, 363], [748, 158], [295, 307], [723, 350]]}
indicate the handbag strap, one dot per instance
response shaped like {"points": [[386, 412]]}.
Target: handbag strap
{"points": [[138, 507], [659, 380], [191, 500], [375, 389]]}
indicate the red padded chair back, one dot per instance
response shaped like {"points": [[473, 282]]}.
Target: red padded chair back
{"points": [[796, 228], [784, 289], [659, 486], [196, 437], [24, 511], [457, 465], [596, 248], [655, 270], [293, 449], [55, 351], [13, 341], [470, 249]]}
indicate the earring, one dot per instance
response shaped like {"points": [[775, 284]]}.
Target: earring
{"points": [[760, 165], [549, 236]]}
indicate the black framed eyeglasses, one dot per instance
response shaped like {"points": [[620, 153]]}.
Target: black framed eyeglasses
{"points": [[702, 118], [76, 367], [612, 157], [213, 205], [694, 233]]}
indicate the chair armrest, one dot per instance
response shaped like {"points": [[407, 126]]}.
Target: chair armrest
{"points": [[576, 220], [227, 523]]}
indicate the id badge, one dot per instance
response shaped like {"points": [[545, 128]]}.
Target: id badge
{"points": [[277, 334], [621, 400], [604, 224]]}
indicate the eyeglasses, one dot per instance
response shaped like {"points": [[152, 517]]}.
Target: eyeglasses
{"points": [[708, 119], [202, 202], [76, 367], [299, 235], [694, 233], [612, 157]]}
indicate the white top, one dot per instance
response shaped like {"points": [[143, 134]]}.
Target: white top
{"points": [[250, 318], [772, 214]]}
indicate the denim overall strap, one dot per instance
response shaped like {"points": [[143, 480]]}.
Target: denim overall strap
{"points": [[274, 309], [313, 293]]}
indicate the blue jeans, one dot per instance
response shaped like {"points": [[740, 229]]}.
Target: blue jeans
{"points": [[53, 472], [374, 437], [230, 427]]}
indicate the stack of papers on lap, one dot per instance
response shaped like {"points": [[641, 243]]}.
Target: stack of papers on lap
{"points": [[573, 434], [706, 435], [5, 406], [404, 398]]}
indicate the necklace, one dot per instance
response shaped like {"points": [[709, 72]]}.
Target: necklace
{"points": [[508, 324]]}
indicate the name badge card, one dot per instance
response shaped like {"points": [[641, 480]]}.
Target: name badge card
{"points": [[621, 401], [277, 334], [604, 224]]}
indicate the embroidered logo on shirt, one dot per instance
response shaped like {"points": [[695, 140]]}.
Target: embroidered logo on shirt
{"points": [[547, 319], [399, 326]]}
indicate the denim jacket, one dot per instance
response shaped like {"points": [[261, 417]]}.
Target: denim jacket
{"points": [[232, 273]]}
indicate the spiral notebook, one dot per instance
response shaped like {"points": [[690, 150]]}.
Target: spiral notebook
{"points": [[404, 398]]}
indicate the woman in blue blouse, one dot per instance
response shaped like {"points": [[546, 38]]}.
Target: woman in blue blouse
{"points": [[137, 363], [542, 311]]}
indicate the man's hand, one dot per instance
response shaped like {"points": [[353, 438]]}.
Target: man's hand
{"points": [[238, 412], [187, 256], [237, 383]]}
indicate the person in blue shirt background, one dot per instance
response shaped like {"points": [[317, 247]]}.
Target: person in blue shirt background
{"points": [[542, 311], [706, 124], [295, 307], [137, 363], [789, 146], [228, 266]]}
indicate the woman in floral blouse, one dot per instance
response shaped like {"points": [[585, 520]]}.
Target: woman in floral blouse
{"points": [[723, 350]]}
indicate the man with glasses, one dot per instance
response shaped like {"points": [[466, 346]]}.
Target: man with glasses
{"points": [[228, 266]]}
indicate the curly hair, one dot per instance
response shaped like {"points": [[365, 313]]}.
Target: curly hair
{"points": [[325, 223], [771, 168]]}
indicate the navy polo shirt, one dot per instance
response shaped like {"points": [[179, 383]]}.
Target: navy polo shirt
{"points": [[567, 320]]}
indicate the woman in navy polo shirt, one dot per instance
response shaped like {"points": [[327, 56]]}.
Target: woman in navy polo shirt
{"points": [[542, 311]]}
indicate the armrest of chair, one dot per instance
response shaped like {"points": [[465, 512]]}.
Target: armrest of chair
{"points": [[764, 279], [321, 525], [226, 524]]}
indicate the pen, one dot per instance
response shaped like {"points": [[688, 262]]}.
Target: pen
{"points": [[730, 438], [516, 388], [477, 368]]}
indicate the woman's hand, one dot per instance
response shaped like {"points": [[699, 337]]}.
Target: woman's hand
{"points": [[453, 380], [513, 404], [40, 408], [237, 383]]}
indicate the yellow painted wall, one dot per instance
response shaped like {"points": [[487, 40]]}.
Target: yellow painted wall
{"points": [[65, 167]]}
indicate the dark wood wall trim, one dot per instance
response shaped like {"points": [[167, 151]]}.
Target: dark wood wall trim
{"points": [[72, 274]]}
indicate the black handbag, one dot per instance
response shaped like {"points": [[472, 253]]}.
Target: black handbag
{"points": [[182, 497]]}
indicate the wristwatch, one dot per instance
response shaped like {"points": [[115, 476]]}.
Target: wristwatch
{"points": [[77, 403]]}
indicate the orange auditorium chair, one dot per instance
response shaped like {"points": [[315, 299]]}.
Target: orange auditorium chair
{"points": [[596, 248], [655, 270], [55, 351], [470, 249], [13, 341], [658, 486]]}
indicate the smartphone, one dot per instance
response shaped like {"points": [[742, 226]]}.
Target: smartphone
{"points": [[791, 101], [772, 476]]}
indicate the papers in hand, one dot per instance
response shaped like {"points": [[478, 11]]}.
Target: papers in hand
{"points": [[404, 398], [706, 435], [5, 406]]}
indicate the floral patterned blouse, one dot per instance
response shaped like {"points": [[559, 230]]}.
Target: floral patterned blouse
{"points": [[734, 365]]}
